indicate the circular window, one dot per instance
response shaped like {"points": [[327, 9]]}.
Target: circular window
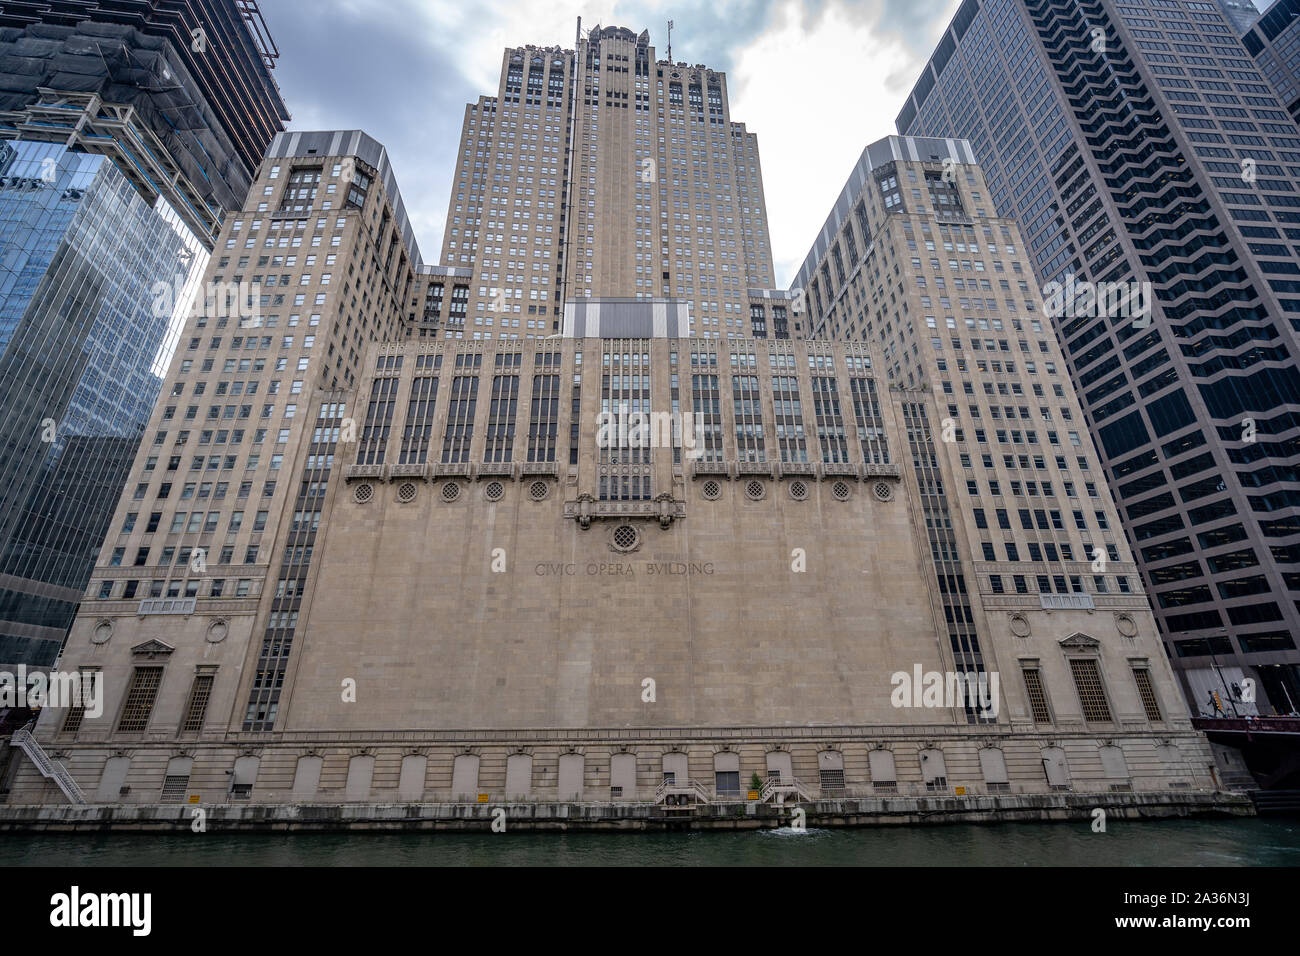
{"points": [[450, 491], [537, 490], [840, 490], [625, 538], [363, 492], [406, 492], [798, 490], [494, 491], [711, 490], [883, 491], [754, 490]]}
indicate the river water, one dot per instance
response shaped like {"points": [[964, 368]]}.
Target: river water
{"points": [[1249, 842]]}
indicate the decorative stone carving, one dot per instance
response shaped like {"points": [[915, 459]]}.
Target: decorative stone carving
{"points": [[152, 649]]}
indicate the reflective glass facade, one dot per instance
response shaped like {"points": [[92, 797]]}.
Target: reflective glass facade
{"points": [[1275, 44], [82, 347]]}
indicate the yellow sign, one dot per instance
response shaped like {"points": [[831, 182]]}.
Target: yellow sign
{"points": [[482, 798], [753, 794], [194, 798], [960, 791]]}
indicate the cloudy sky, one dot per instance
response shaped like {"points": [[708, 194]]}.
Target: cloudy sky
{"points": [[403, 70]]}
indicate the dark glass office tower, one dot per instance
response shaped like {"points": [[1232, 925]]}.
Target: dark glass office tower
{"points": [[79, 347], [120, 150], [1242, 14], [1274, 42], [1137, 142]]}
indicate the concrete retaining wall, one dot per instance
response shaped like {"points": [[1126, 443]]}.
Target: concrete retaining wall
{"points": [[866, 811]]}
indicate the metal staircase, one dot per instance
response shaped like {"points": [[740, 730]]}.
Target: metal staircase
{"points": [[781, 790], [48, 766], [681, 796]]}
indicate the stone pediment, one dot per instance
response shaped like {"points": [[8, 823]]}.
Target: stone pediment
{"points": [[152, 648], [1080, 640]]}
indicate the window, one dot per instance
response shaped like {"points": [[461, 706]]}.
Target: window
{"points": [[831, 781], [83, 690], [197, 705], [1092, 696], [139, 700], [727, 782], [1037, 695], [1147, 693]]}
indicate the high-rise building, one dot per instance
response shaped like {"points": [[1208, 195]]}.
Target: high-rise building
{"points": [[607, 172], [446, 546], [223, 46], [124, 148], [79, 347], [1242, 14], [1274, 41], [1137, 143], [914, 257]]}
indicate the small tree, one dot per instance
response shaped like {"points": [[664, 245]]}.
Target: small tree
{"points": [[755, 782]]}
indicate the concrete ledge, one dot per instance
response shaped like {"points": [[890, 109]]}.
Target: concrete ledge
{"points": [[865, 811]]}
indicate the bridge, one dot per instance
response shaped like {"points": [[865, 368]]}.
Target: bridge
{"points": [[1270, 747]]}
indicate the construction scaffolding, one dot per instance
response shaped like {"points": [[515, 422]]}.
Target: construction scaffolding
{"points": [[109, 89]]}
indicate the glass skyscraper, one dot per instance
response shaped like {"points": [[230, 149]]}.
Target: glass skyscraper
{"points": [[122, 143], [81, 347], [1136, 141], [1274, 42]]}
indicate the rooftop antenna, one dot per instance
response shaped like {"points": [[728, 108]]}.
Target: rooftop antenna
{"points": [[577, 38], [670, 41]]}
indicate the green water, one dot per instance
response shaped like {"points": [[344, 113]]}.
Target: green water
{"points": [[1252, 842]]}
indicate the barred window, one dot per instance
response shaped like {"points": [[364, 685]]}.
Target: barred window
{"points": [[85, 687], [1037, 696], [832, 780], [1147, 692], [174, 787], [1087, 680], [197, 707], [139, 699]]}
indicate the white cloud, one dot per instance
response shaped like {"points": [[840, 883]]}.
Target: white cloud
{"points": [[817, 91], [821, 80]]}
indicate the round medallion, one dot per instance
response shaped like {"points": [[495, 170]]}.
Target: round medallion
{"points": [[217, 631], [363, 492]]}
